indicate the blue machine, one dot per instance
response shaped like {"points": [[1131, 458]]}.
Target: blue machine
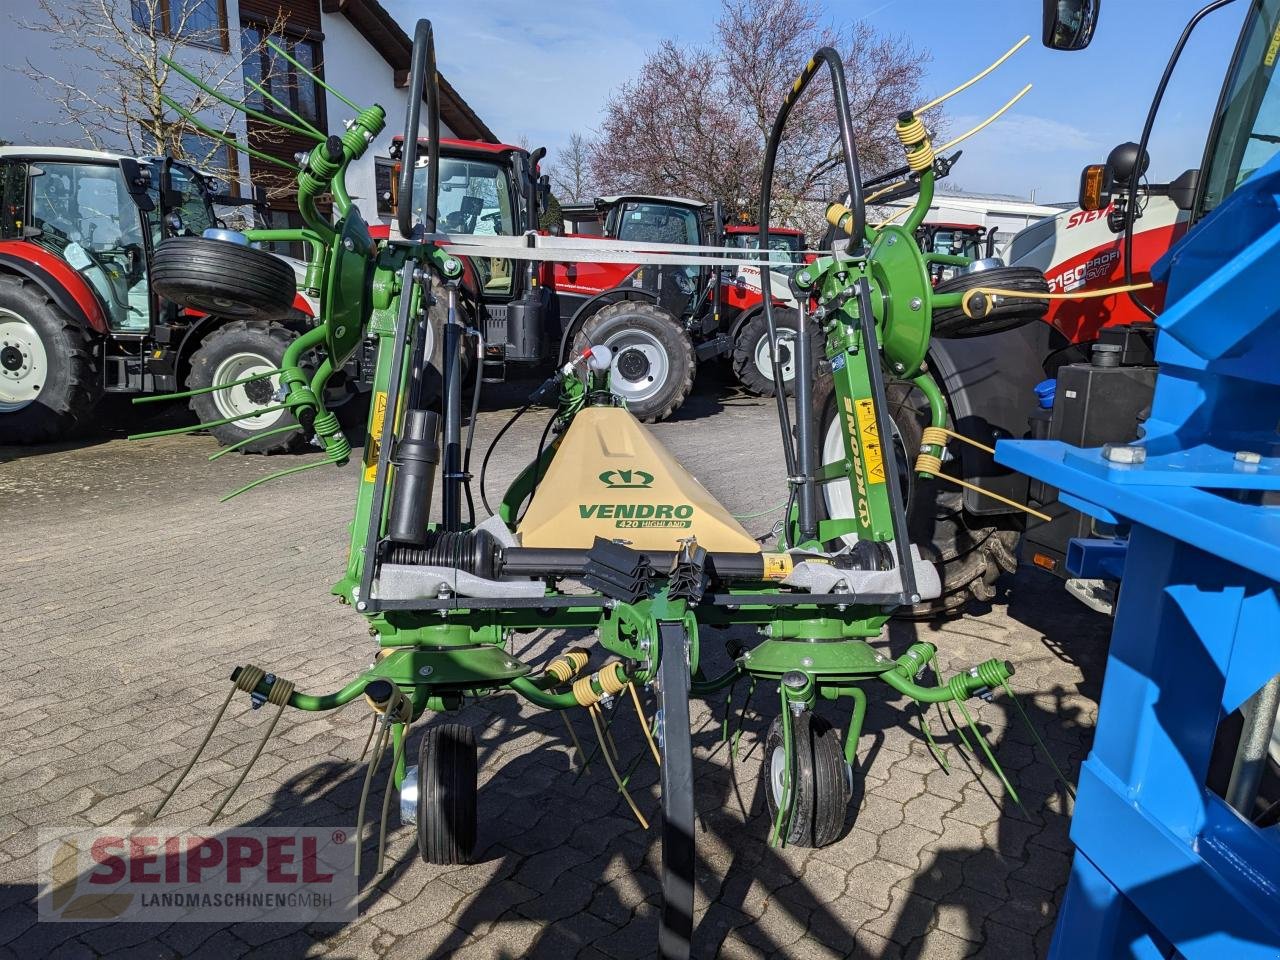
{"points": [[1165, 867]]}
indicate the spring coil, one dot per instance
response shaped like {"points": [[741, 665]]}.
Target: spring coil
{"points": [[565, 668], [612, 680], [915, 141], [931, 437], [336, 444]]}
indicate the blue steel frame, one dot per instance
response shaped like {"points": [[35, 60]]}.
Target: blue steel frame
{"points": [[1163, 866]]}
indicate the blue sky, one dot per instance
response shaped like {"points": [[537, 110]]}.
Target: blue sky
{"points": [[541, 71]]}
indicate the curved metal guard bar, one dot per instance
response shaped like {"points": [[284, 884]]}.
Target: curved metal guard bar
{"points": [[422, 64]]}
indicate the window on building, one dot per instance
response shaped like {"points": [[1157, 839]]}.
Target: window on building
{"points": [[284, 82], [384, 171], [202, 22], [287, 220]]}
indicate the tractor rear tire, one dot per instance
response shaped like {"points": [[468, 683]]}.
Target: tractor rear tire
{"points": [[223, 279], [653, 357], [751, 351], [50, 382], [234, 351], [1007, 314], [970, 552], [447, 776]]}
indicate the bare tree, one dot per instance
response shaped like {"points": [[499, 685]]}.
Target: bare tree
{"points": [[696, 119], [571, 170], [117, 102]]}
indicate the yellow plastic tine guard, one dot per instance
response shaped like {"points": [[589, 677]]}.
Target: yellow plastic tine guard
{"points": [[985, 123], [974, 79], [973, 313]]}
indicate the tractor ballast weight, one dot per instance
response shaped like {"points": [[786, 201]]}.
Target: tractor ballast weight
{"points": [[655, 558]]}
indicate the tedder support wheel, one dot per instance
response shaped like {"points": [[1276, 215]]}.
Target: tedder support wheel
{"points": [[821, 782], [751, 364], [969, 551], [235, 351], [676, 929], [223, 279], [447, 771], [49, 379], [653, 358]]}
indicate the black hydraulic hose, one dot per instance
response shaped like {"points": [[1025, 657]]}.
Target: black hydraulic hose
{"points": [[542, 444], [1130, 213], [804, 418], [422, 67], [484, 464], [471, 433]]}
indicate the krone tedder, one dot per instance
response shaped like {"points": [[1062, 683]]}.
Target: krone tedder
{"points": [[605, 531]]}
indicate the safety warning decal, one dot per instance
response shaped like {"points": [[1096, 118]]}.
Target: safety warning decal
{"points": [[375, 436], [869, 439]]}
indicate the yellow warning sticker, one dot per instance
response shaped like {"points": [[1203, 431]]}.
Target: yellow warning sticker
{"points": [[375, 436], [777, 566], [869, 440], [1273, 48]]}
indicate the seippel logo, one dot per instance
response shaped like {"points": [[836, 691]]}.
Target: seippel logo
{"points": [[626, 479]]}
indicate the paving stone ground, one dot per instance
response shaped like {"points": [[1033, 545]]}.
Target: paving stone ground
{"points": [[129, 592]]}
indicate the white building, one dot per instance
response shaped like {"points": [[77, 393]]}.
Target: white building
{"points": [[1008, 214], [355, 45]]}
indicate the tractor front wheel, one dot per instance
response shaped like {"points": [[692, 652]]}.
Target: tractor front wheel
{"points": [[653, 358], [751, 361], [236, 351], [49, 377]]}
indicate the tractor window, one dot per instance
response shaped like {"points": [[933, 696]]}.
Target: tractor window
{"points": [[784, 248], [1247, 128], [475, 198], [86, 216], [195, 215], [658, 223]]}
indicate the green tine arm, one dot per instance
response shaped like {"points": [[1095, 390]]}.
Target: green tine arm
{"points": [[240, 105], [266, 95], [285, 53], [275, 476], [223, 138], [195, 393], [206, 425], [257, 436]]}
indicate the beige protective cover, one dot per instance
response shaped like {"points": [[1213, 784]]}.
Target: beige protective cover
{"points": [[610, 478]]}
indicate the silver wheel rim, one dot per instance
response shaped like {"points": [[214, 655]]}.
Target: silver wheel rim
{"points": [[646, 351], [23, 363], [777, 768], [836, 494], [235, 401], [786, 353]]}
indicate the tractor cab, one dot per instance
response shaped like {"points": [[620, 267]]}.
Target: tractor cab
{"points": [[97, 217], [787, 242], [495, 189], [971, 241], [657, 219]]}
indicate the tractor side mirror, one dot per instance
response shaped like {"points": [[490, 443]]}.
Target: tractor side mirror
{"points": [[1183, 190], [1069, 24], [169, 197], [137, 180]]}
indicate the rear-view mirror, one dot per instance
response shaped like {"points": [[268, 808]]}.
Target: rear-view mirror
{"points": [[1069, 24]]}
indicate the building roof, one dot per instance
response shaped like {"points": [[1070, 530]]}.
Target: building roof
{"points": [[387, 37]]}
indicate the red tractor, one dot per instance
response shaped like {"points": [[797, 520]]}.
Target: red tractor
{"points": [[661, 321], [78, 315], [969, 240], [495, 189]]}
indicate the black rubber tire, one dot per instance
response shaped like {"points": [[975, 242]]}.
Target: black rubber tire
{"points": [[748, 341], [833, 782], [1008, 313], [447, 778], [821, 782], [223, 279], [970, 552], [682, 364], [72, 384], [803, 782], [268, 341]]}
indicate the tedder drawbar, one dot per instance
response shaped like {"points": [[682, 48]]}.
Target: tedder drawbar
{"points": [[605, 531]]}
